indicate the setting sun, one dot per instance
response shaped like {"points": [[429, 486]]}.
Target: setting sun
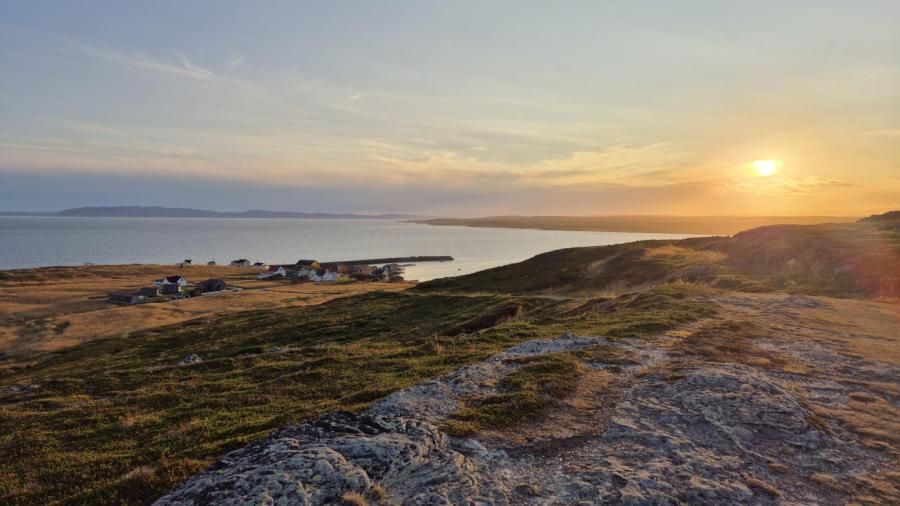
{"points": [[765, 167]]}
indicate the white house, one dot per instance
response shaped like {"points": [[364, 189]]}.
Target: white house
{"points": [[305, 271], [171, 280], [274, 271], [323, 275]]}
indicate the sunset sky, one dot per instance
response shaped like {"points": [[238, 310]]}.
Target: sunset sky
{"points": [[453, 108]]}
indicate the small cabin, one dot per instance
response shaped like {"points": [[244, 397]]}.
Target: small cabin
{"points": [[124, 298], [170, 289], [149, 291], [241, 262], [212, 285]]}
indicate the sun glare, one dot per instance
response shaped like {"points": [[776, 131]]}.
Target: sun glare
{"points": [[765, 167]]}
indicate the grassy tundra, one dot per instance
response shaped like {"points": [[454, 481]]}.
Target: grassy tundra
{"points": [[114, 420]]}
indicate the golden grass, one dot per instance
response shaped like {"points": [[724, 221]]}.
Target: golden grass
{"points": [[763, 486], [354, 499], [142, 473], [875, 327], [48, 310], [733, 341], [378, 492], [828, 481], [694, 256]]}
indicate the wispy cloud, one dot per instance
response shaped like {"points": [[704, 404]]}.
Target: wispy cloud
{"points": [[181, 67], [792, 186]]}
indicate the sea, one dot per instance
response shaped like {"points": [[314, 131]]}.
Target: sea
{"points": [[31, 241]]}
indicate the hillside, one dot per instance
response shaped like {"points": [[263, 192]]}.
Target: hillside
{"points": [[861, 258], [755, 369]]}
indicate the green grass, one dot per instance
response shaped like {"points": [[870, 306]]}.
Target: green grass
{"points": [[526, 393], [114, 421]]}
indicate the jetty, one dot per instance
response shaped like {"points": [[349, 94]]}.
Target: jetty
{"points": [[396, 260]]}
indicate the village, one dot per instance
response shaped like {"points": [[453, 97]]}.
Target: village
{"points": [[177, 286]]}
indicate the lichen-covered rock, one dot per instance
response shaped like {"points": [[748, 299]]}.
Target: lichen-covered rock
{"points": [[318, 462], [692, 439], [677, 432]]}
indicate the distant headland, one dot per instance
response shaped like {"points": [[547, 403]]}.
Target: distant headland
{"points": [[178, 212]]}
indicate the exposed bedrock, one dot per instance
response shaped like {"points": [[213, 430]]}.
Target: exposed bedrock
{"points": [[701, 434]]}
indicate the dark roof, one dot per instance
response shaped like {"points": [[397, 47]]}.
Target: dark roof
{"points": [[173, 279], [212, 284], [306, 262]]}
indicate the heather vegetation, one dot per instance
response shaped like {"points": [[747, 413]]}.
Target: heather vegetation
{"points": [[123, 419], [117, 421]]}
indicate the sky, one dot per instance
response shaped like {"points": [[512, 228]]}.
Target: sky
{"points": [[462, 108]]}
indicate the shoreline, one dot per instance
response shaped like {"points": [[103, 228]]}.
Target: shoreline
{"points": [[695, 225]]}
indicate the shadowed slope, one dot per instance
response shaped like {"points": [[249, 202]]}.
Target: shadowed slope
{"points": [[838, 259]]}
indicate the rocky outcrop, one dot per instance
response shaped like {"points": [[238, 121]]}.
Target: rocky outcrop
{"points": [[676, 431], [434, 400], [696, 440], [320, 461]]}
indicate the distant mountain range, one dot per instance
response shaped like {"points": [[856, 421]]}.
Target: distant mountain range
{"points": [[177, 212]]}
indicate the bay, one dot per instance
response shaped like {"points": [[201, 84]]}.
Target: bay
{"points": [[27, 242]]}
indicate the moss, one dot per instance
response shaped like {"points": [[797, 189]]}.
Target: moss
{"points": [[526, 393]]}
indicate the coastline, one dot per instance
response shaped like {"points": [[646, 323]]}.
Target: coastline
{"points": [[699, 225]]}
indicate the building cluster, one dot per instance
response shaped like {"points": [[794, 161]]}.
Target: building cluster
{"points": [[243, 262], [170, 288], [314, 271]]}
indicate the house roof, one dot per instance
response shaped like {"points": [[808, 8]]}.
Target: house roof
{"points": [[306, 262], [173, 279], [274, 268]]}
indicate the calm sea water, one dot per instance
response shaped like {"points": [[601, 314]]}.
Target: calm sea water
{"points": [[39, 241]]}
